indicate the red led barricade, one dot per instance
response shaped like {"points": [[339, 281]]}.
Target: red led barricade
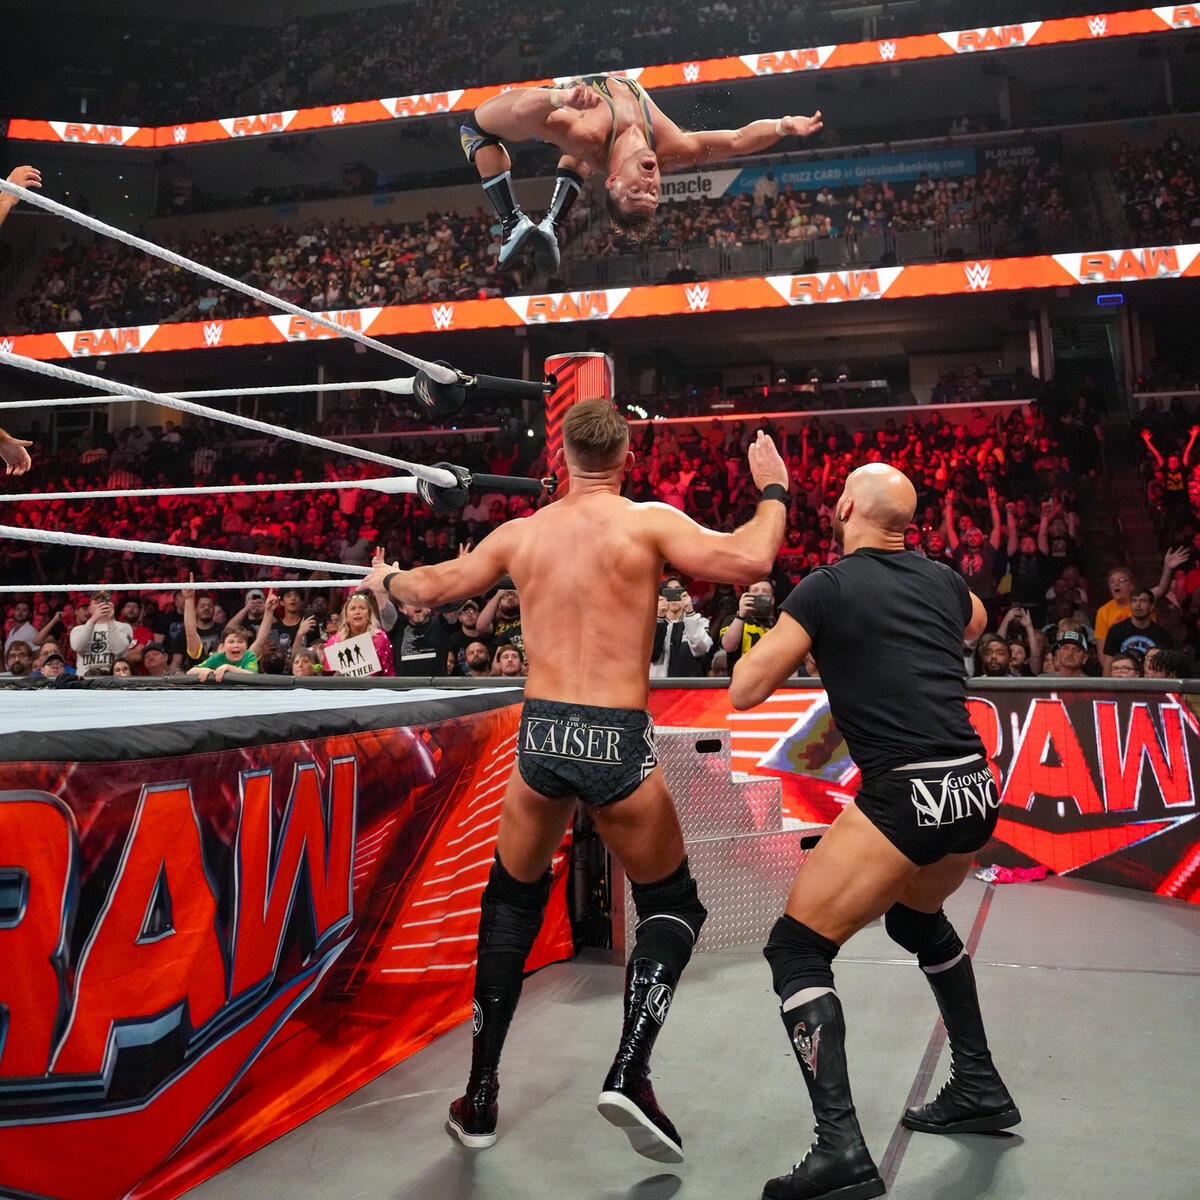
{"points": [[201, 951], [1101, 783]]}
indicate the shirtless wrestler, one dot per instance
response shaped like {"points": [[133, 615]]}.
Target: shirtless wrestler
{"points": [[605, 123], [585, 733], [886, 627]]}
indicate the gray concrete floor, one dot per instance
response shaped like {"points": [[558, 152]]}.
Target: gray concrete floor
{"points": [[1092, 998]]}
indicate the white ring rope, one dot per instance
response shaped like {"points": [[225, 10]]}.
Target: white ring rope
{"points": [[435, 371], [206, 585], [398, 387], [389, 486], [166, 549], [434, 475]]}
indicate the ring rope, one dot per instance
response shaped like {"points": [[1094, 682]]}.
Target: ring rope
{"points": [[398, 387], [59, 537], [434, 475], [435, 371], [207, 585], [393, 486]]}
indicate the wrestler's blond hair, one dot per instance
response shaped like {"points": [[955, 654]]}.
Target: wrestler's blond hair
{"points": [[595, 435]]}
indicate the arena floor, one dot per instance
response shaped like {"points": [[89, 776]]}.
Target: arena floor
{"points": [[1092, 997]]}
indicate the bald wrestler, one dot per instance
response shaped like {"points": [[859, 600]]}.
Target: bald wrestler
{"points": [[605, 123], [26, 177], [886, 627], [585, 733]]}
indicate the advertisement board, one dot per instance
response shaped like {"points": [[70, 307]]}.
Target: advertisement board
{"points": [[203, 949]]}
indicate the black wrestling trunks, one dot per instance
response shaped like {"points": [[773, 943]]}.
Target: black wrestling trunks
{"points": [[600, 755], [928, 810]]}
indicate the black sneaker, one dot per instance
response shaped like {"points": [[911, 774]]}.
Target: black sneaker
{"points": [[473, 1120], [514, 233], [630, 1105], [546, 254]]}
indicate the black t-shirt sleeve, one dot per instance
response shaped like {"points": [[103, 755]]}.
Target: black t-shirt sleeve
{"points": [[1113, 639], [959, 584], [809, 601]]}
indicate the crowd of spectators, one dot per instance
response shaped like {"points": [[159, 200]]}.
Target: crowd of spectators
{"points": [[1014, 201], [996, 502], [451, 256], [321, 266], [1160, 190], [163, 71]]}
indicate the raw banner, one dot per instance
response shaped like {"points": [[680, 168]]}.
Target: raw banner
{"points": [[200, 952], [1100, 267], [1099, 784]]}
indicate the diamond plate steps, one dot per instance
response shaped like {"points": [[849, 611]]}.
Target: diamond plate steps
{"points": [[743, 859], [712, 800], [743, 882]]}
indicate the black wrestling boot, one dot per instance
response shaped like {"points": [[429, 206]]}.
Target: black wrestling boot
{"points": [[975, 1099], [515, 227], [473, 1115], [567, 185], [838, 1166], [627, 1099]]}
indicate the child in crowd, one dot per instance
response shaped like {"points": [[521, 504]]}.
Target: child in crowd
{"points": [[233, 658]]}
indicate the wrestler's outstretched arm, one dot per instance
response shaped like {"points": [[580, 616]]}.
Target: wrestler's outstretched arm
{"points": [[680, 149], [746, 554], [470, 574], [774, 658]]}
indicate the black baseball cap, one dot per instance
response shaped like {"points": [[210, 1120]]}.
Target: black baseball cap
{"points": [[1071, 637], [154, 646]]}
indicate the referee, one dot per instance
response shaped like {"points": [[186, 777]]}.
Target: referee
{"points": [[886, 627]]}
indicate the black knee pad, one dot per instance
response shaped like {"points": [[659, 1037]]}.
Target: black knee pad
{"points": [[509, 920], [800, 958], [670, 917], [929, 936]]}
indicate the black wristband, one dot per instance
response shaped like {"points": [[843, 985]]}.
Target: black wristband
{"points": [[775, 491], [387, 583]]}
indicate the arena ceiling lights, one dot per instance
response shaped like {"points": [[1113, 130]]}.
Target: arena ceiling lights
{"points": [[1179, 17], [1103, 267]]}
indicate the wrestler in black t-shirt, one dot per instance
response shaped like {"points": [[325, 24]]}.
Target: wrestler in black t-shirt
{"points": [[887, 634], [886, 627]]}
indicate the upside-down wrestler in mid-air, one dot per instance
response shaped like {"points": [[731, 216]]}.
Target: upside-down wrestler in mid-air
{"points": [[585, 733], [605, 123], [886, 628]]}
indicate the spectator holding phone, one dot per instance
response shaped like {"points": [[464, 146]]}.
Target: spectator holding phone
{"points": [[1033, 641], [293, 627], [101, 639], [755, 615], [681, 637]]}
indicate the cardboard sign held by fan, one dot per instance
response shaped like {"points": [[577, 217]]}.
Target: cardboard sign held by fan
{"points": [[354, 657]]}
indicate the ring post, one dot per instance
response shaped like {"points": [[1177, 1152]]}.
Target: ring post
{"points": [[579, 376]]}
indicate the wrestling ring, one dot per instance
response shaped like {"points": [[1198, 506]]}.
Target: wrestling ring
{"points": [[239, 919]]}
